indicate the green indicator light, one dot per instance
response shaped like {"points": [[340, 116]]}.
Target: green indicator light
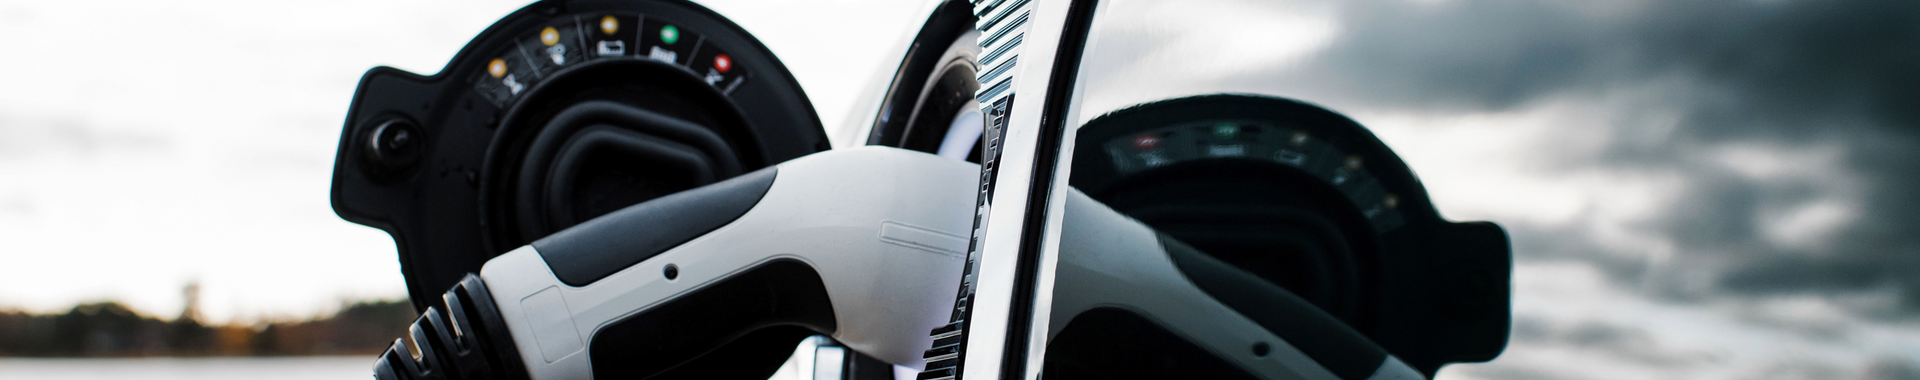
{"points": [[1226, 130], [669, 34]]}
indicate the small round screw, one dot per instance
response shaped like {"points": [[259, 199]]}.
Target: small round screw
{"points": [[672, 272], [394, 143]]}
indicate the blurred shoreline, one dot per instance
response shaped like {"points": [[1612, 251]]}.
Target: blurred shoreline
{"points": [[112, 330]]}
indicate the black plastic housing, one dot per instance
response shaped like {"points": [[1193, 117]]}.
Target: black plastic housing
{"points": [[1427, 290], [450, 189]]}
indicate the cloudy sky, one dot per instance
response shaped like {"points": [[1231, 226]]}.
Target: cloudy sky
{"points": [[1697, 189], [1702, 189]]}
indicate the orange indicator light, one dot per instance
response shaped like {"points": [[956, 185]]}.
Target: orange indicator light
{"points": [[609, 25], [498, 68]]}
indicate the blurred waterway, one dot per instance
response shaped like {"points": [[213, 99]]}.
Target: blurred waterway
{"points": [[286, 368]]}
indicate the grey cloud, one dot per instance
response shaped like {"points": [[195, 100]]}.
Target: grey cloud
{"points": [[1795, 369], [1533, 242], [1803, 65], [1891, 369], [1792, 60], [1468, 54], [1883, 368], [1793, 73], [1506, 372], [1629, 343], [1612, 349]]}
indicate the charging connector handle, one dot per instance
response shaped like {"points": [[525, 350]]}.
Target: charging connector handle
{"points": [[468, 341]]}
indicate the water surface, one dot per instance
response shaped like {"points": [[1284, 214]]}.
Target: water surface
{"points": [[286, 368]]}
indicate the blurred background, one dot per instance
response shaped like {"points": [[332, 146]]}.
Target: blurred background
{"points": [[1717, 189]]}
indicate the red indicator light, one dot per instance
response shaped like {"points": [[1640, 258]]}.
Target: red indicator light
{"points": [[722, 62], [1146, 142]]}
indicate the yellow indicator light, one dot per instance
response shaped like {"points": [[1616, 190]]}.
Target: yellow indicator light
{"points": [[498, 68], [549, 36], [1391, 201], [1353, 162], [1299, 138], [609, 25]]}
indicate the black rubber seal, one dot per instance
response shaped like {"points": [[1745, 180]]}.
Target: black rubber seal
{"points": [[564, 146], [578, 187]]}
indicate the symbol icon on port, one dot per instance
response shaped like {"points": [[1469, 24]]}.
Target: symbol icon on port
{"points": [[663, 55], [513, 86], [1290, 157], [609, 48]]}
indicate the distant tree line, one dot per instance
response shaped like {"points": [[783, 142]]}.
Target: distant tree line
{"points": [[110, 329]]}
